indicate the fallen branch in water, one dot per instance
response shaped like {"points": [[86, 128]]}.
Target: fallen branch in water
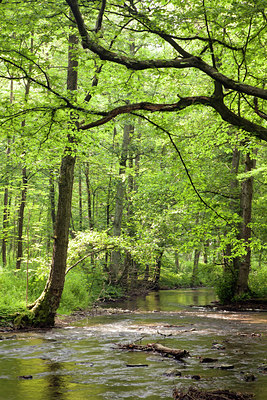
{"points": [[158, 348], [196, 394]]}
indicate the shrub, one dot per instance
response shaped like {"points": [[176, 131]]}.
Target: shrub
{"points": [[172, 280], [225, 288], [257, 281]]}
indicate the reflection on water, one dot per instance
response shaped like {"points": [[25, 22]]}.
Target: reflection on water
{"points": [[169, 300], [82, 362]]}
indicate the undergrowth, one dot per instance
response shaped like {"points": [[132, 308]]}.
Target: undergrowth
{"points": [[86, 285]]}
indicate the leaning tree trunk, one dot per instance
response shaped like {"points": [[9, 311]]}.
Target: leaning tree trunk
{"points": [[43, 311]]}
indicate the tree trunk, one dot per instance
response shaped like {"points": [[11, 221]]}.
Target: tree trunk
{"points": [[120, 196], [235, 208], [80, 200], [206, 251], [176, 260], [241, 265], [6, 191], [195, 267], [89, 196], [246, 208], [44, 309], [147, 274], [52, 198], [24, 187], [21, 218], [158, 270], [131, 269], [5, 226]]}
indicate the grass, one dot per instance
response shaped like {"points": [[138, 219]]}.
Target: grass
{"points": [[83, 286]]}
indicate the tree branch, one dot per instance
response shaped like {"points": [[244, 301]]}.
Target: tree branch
{"points": [[214, 102], [257, 111], [100, 16], [93, 252], [188, 61]]}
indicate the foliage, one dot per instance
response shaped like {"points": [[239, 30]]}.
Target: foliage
{"points": [[189, 81], [13, 291], [257, 281], [225, 288]]}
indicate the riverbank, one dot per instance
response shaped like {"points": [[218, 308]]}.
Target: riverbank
{"points": [[128, 304], [254, 305]]}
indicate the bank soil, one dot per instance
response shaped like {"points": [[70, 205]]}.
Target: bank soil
{"points": [[245, 305]]}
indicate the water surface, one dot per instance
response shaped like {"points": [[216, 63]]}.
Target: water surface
{"points": [[83, 361]]}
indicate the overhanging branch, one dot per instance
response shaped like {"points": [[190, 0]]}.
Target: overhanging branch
{"points": [[227, 115], [187, 61]]}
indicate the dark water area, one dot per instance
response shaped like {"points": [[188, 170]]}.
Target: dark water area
{"points": [[82, 361]]}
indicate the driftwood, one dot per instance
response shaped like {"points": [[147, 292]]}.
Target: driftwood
{"points": [[196, 394], [158, 348]]}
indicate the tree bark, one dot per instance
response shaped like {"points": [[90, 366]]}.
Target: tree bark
{"points": [[24, 188], [44, 309], [21, 218], [5, 226], [89, 196], [195, 267], [52, 198], [6, 190], [80, 200], [119, 205], [158, 270], [157, 348], [246, 207], [176, 260], [235, 208]]}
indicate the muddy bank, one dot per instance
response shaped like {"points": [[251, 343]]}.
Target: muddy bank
{"points": [[245, 305]]}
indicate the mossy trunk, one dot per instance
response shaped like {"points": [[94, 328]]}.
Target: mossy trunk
{"points": [[42, 312]]}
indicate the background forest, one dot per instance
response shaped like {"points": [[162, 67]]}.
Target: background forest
{"points": [[166, 151]]}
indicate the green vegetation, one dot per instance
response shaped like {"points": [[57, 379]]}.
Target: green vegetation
{"points": [[133, 141]]}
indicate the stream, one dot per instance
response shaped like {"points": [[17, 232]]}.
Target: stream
{"points": [[82, 361]]}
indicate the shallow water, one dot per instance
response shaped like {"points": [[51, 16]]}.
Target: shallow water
{"points": [[83, 361]]}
